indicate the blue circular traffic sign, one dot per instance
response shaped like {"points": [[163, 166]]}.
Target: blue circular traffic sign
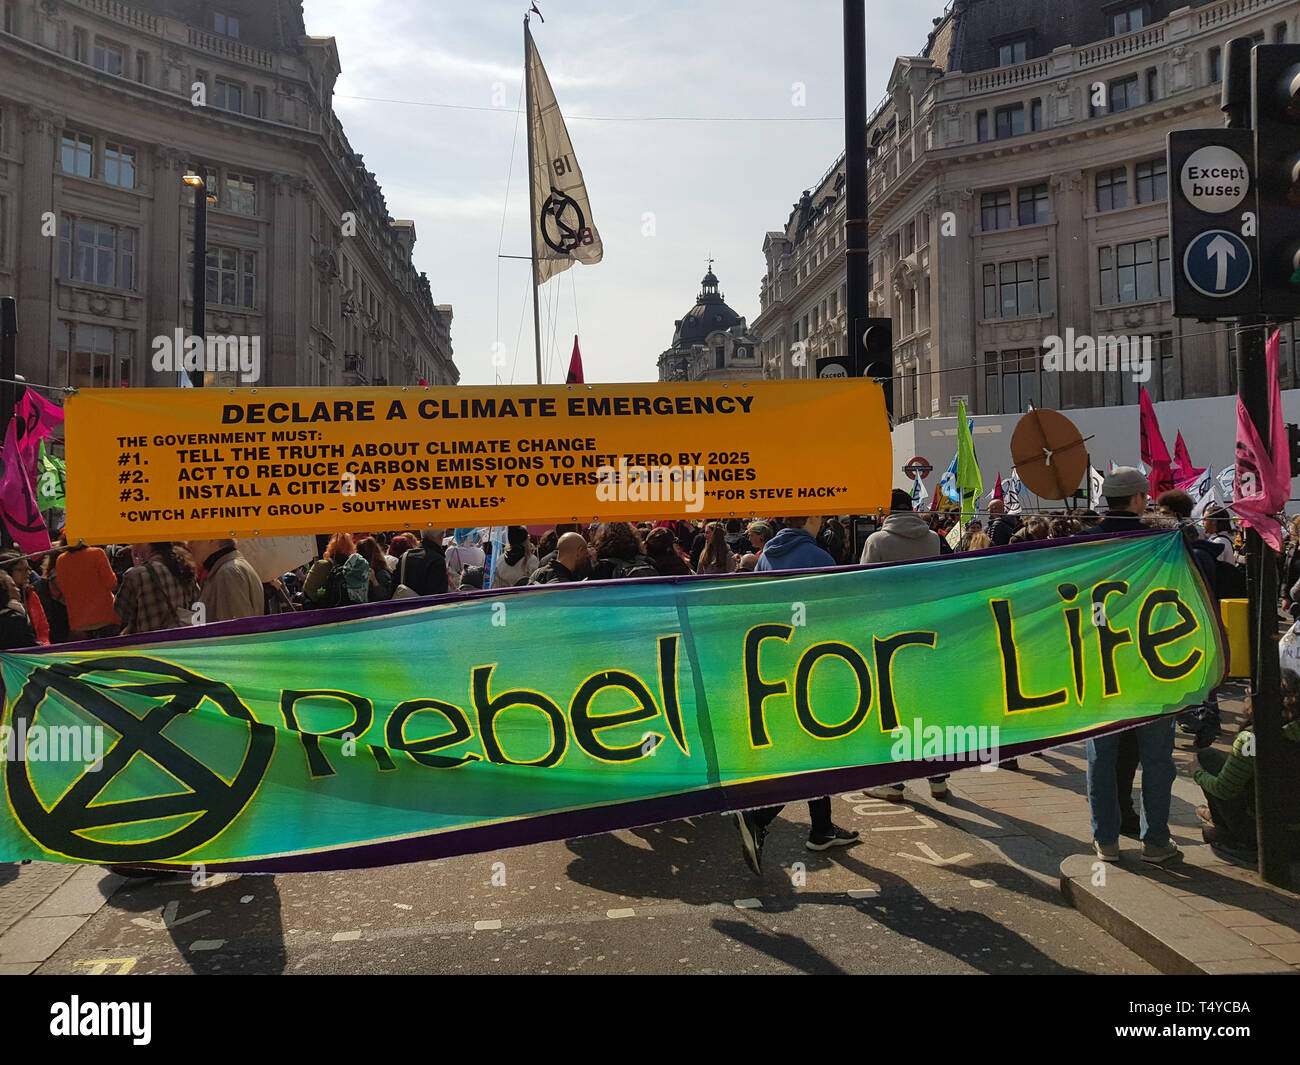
{"points": [[1217, 263]]}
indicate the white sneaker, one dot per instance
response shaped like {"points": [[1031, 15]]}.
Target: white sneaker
{"points": [[888, 792]]}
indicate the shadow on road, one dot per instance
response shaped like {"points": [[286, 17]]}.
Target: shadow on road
{"points": [[259, 948]]}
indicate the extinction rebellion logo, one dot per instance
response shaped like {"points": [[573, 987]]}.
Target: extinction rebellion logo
{"points": [[562, 217], [128, 811]]}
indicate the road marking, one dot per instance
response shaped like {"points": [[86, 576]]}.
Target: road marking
{"points": [[620, 913], [99, 966], [932, 857], [207, 944], [401, 906], [486, 926], [864, 893], [247, 898], [922, 822], [345, 937], [169, 918], [981, 883], [748, 904]]}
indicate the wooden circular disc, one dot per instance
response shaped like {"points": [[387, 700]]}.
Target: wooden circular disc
{"points": [[1049, 454]]}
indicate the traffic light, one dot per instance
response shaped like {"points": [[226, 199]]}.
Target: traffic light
{"points": [[1275, 80], [878, 356], [1293, 447]]}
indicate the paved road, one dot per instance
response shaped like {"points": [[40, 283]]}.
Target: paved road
{"points": [[918, 895]]}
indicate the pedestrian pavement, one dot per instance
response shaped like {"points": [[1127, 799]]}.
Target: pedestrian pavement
{"points": [[1201, 915], [42, 904]]}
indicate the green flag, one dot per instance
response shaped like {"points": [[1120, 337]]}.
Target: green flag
{"points": [[969, 482], [50, 480]]}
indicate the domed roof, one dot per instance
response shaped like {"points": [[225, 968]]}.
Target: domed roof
{"points": [[709, 313]]}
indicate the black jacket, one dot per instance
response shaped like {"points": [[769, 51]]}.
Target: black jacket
{"points": [[422, 569], [15, 629], [1003, 528], [552, 572], [1120, 521]]}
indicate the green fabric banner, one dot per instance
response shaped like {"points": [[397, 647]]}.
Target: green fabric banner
{"points": [[51, 479], [371, 735]]}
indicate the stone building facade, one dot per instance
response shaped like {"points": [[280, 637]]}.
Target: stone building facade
{"points": [[711, 343], [1017, 188], [104, 106]]}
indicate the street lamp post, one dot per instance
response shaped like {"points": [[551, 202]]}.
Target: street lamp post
{"points": [[199, 279]]}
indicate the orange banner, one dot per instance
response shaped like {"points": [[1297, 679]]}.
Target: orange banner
{"points": [[165, 464]]}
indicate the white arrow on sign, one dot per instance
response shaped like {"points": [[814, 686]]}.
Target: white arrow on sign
{"points": [[169, 918], [1223, 250], [932, 856]]}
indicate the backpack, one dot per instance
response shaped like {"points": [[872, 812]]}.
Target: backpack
{"points": [[334, 592]]}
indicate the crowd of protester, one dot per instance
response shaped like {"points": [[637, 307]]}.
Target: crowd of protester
{"points": [[79, 592]]}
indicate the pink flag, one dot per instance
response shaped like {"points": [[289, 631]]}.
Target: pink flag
{"points": [[575, 366], [1262, 482], [1154, 452], [18, 509], [39, 417], [1182, 464], [997, 488]]}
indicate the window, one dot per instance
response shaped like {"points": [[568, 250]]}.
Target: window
{"points": [[995, 210], [1017, 289], [1135, 272], [1126, 20], [119, 165], [80, 47], [1124, 93], [92, 356], [108, 57], [226, 25], [1036, 115], [1032, 204], [1216, 64], [909, 238], [720, 358], [1153, 84], [9, 16], [78, 155], [1112, 189], [1012, 52], [142, 67], [228, 96], [981, 125], [259, 103], [96, 253], [231, 276], [1010, 121], [1011, 381], [1279, 33], [239, 193], [1151, 181]]}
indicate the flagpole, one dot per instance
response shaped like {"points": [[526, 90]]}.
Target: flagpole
{"points": [[532, 198]]}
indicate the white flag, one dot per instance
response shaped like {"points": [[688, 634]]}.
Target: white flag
{"points": [[920, 496], [1095, 481], [561, 213], [1227, 478], [1011, 492]]}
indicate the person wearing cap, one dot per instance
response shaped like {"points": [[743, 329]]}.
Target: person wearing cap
{"points": [[759, 533], [1127, 491]]}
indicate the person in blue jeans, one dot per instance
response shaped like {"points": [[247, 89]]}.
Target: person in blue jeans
{"points": [[1156, 755], [1127, 491]]}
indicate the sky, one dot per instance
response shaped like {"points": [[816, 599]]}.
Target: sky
{"points": [[429, 95]]}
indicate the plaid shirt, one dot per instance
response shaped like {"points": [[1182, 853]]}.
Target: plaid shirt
{"points": [[150, 597]]}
